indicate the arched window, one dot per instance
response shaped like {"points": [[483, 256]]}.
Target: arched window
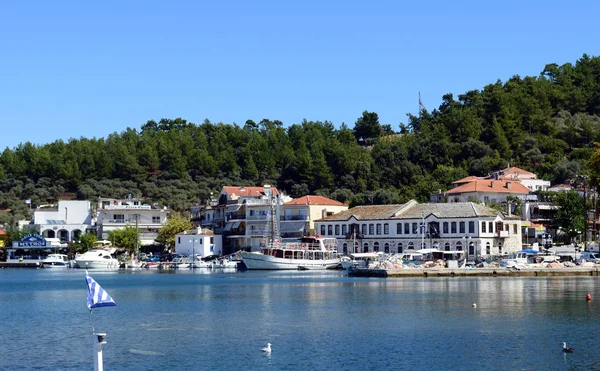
{"points": [[459, 246], [447, 246], [400, 247], [471, 248], [345, 248], [323, 230], [386, 248], [488, 249], [337, 230], [411, 245], [366, 247], [376, 246]]}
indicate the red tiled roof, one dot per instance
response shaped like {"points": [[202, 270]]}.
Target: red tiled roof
{"points": [[496, 186], [466, 180], [314, 200], [248, 191], [3, 232], [515, 172]]}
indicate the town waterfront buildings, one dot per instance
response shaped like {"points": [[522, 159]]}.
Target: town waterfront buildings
{"points": [[252, 217], [113, 214], [467, 226]]}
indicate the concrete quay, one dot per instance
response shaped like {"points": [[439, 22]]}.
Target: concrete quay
{"points": [[20, 265], [475, 272]]}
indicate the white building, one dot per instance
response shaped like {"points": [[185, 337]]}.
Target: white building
{"points": [[486, 191], [528, 179], [248, 217], [467, 226], [198, 241], [113, 214], [66, 222], [299, 214]]}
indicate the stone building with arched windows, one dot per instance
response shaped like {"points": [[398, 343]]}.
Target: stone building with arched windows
{"points": [[479, 230]]}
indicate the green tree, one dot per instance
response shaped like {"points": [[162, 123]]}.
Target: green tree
{"points": [[175, 224], [570, 216], [127, 238], [367, 126], [14, 233], [85, 242]]}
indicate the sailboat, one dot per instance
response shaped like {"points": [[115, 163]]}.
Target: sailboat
{"points": [[306, 253]]}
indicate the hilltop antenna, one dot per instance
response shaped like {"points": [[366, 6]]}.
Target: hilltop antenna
{"points": [[421, 106]]}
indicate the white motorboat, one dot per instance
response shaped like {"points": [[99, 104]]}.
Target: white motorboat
{"points": [[223, 263], [312, 252], [56, 261], [360, 260], [529, 258], [133, 264], [97, 259]]}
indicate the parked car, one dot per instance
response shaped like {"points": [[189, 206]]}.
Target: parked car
{"points": [[590, 256], [154, 258], [167, 257]]}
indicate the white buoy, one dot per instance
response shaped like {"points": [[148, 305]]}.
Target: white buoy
{"points": [[98, 342], [474, 305]]}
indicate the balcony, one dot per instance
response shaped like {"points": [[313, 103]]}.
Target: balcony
{"points": [[294, 217], [258, 232], [130, 221], [236, 216]]}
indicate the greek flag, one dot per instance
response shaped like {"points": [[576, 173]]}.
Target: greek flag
{"points": [[97, 297]]}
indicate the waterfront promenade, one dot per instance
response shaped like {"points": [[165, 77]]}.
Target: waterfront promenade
{"points": [[476, 272]]}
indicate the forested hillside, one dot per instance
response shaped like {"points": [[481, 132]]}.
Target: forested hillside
{"points": [[546, 124]]}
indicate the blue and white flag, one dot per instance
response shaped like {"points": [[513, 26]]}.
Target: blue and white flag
{"points": [[97, 297]]}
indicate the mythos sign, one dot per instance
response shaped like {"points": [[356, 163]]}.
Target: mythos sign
{"points": [[32, 240]]}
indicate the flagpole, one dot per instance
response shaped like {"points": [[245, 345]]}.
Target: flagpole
{"points": [[97, 297], [98, 342]]}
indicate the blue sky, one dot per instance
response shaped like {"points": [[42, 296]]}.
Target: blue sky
{"points": [[72, 69]]}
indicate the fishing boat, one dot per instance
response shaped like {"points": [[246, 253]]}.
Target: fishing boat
{"points": [[308, 253]]}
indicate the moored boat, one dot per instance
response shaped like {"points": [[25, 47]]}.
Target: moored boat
{"points": [[97, 259], [56, 261], [308, 253], [360, 260]]}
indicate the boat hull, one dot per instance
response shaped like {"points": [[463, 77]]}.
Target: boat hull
{"points": [[60, 265], [257, 260], [98, 264]]}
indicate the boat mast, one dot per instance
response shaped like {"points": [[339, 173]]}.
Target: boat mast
{"points": [[274, 215], [422, 230]]}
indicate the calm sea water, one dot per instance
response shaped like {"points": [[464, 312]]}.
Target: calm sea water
{"points": [[188, 320]]}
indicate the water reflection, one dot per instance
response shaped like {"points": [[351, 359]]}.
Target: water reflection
{"points": [[220, 320]]}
